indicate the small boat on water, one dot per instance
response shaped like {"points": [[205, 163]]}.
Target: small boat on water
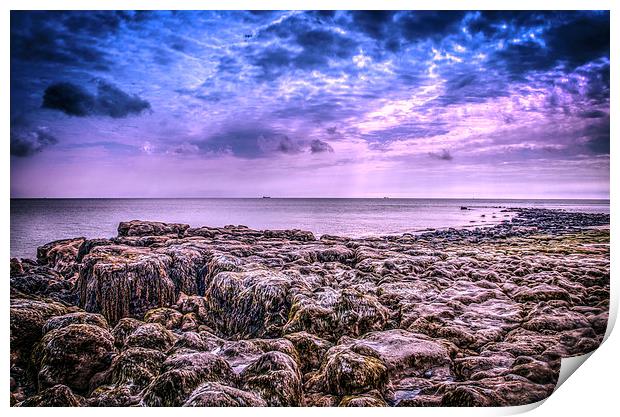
{"points": [[265, 196]]}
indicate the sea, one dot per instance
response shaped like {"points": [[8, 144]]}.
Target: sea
{"points": [[35, 222]]}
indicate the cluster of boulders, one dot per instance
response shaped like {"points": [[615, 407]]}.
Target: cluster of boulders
{"points": [[169, 315]]}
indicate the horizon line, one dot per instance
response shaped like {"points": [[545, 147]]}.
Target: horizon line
{"points": [[310, 198]]}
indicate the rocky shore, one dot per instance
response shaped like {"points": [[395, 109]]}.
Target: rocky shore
{"points": [[170, 315]]}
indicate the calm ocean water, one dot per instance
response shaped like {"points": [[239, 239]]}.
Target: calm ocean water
{"points": [[35, 222]]}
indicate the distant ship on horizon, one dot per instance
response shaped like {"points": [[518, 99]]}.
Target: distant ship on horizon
{"points": [[266, 196]]}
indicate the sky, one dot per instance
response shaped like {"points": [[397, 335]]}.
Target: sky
{"points": [[418, 104]]}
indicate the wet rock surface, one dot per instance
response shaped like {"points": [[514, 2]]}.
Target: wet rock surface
{"points": [[169, 315]]}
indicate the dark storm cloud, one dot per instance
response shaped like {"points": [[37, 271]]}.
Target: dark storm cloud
{"points": [[278, 143], [255, 142], [471, 85], [30, 142], [541, 41], [249, 143], [425, 24], [375, 23], [69, 98], [324, 43], [599, 144], [65, 38], [394, 30], [592, 114], [318, 146], [109, 101], [310, 45], [444, 155], [495, 22], [581, 40], [598, 136]]}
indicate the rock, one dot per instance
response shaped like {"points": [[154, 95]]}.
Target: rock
{"points": [[182, 374], [29, 280], [276, 378], [167, 317], [151, 336], [113, 396], [332, 313], [27, 320], [213, 394], [123, 329], [193, 304], [495, 392], [199, 342], [535, 370], [190, 322], [405, 353], [121, 282], [312, 349], [467, 396], [78, 317], [136, 367], [60, 255], [474, 367], [350, 369], [542, 292], [143, 228], [89, 244], [71, 355], [249, 304], [372, 399], [56, 396], [546, 317]]}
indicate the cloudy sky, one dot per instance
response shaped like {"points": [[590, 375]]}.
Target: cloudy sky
{"points": [[310, 104]]}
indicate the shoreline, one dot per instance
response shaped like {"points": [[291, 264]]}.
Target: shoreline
{"points": [[478, 217], [235, 316]]}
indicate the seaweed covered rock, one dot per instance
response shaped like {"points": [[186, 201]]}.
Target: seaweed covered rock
{"points": [[73, 354], [331, 313], [145, 228], [509, 390], [150, 336], [213, 394], [61, 255], [30, 279], [249, 304], [371, 399], [78, 317], [312, 349], [203, 341], [182, 374], [276, 378], [350, 369], [113, 396], [56, 396], [405, 353], [536, 371], [123, 329], [120, 281], [27, 320], [136, 367], [167, 317]]}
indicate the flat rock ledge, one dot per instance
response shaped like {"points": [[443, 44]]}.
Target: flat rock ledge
{"points": [[170, 315]]}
